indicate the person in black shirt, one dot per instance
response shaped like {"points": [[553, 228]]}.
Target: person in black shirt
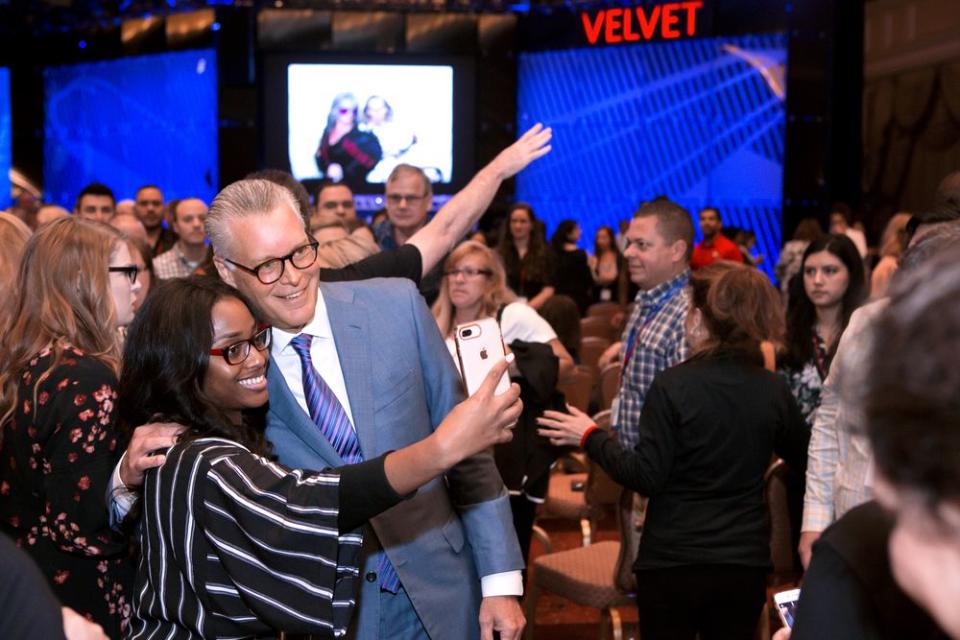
{"points": [[572, 270], [707, 432], [233, 543], [526, 256]]}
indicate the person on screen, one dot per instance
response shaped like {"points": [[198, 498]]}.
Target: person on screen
{"points": [[395, 139], [346, 154]]}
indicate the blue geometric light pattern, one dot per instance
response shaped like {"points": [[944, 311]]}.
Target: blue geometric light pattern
{"points": [[130, 122], [700, 121], [6, 145]]}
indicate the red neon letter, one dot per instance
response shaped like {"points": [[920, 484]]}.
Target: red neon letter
{"points": [[692, 8], [668, 21], [628, 33], [592, 30], [613, 24], [647, 25]]}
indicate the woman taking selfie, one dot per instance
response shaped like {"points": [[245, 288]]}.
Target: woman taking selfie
{"points": [[58, 379], [707, 431], [233, 543]]}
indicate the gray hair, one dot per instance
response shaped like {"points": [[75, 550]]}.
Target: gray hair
{"points": [[939, 238], [409, 169], [241, 199]]}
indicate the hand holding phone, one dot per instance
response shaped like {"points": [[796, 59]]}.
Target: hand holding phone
{"points": [[786, 602], [479, 346]]}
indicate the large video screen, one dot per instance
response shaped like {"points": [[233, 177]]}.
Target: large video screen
{"points": [[131, 122], [6, 145], [352, 119], [700, 121], [355, 123]]}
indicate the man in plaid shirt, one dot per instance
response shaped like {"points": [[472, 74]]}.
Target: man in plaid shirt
{"points": [[659, 244]]}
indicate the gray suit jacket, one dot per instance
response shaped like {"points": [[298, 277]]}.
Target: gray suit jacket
{"points": [[401, 383]]}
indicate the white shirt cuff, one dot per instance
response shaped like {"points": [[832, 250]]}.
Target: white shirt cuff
{"points": [[508, 583], [121, 497]]}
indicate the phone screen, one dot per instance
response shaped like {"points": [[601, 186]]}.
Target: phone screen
{"points": [[787, 605]]}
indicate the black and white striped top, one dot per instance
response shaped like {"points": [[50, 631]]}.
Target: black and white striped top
{"points": [[237, 546]]}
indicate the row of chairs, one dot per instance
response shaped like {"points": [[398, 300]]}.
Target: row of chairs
{"points": [[600, 575]]}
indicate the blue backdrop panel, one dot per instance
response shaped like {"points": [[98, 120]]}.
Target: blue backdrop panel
{"points": [[701, 121], [131, 122], [6, 147]]}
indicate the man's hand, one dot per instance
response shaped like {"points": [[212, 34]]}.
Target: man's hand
{"points": [[503, 614], [807, 538], [76, 627], [143, 451], [530, 146]]}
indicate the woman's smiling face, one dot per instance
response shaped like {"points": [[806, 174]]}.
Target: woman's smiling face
{"points": [[235, 387]]}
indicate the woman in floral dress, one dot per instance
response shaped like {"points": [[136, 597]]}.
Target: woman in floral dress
{"points": [[58, 376]]}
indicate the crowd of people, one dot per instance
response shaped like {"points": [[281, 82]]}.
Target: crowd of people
{"points": [[247, 418]]}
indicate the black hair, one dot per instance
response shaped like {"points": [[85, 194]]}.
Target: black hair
{"points": [[801, 312], [562, 235], [710, 207], [165, 360], [96, 189]]}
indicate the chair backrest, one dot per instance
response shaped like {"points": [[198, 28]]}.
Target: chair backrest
{"points": [[605, 309], [601, 490], [598, 326], [591, 348], [781, 540], [623, 577], [609, 384], [579, 389]]}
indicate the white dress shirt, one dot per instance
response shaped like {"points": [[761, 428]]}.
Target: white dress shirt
{"points": [[323, 353], [326, 360]]}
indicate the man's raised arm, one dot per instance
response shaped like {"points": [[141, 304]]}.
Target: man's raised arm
{"points": [[462, 211]]}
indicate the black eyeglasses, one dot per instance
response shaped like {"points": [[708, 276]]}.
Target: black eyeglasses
{"points": [[237, 352], [130, 271], [469, 272], [271, 270]]}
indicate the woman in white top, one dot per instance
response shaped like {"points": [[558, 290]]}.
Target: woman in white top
{"points": [[474, 287]]}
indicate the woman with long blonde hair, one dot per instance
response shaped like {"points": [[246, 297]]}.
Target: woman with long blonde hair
{"points": [[59, 360], [474, 287]]}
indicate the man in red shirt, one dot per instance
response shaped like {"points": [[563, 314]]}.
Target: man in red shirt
{"points": [[715, 245]]}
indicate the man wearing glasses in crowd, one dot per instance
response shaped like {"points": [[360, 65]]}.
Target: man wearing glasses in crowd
{"points": [[409, 195]]}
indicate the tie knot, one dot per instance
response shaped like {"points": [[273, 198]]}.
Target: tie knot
{"points": [[301, 344]]}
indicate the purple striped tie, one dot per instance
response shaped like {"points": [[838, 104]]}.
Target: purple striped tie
{"points": [[331, 418]]}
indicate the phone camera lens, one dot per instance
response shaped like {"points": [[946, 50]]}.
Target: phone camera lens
{"points": [[466, 333]]}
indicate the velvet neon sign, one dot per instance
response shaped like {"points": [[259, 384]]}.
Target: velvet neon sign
{"points": [[667, 21]]}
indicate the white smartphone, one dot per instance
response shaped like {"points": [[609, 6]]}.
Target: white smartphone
{"points": [[479, 346], [786, 602]]}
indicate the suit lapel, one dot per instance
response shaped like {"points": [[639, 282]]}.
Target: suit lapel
{"points": [[350, 324], [295, 419]]}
